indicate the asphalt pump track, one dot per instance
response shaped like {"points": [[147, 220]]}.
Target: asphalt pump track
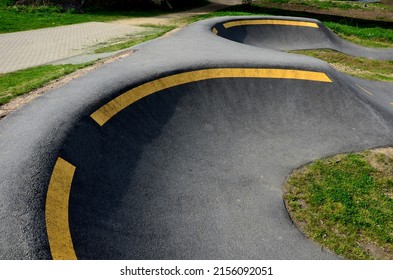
{"points": [[180, 151]]}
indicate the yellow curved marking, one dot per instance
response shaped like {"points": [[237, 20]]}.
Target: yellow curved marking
{"points": [[56, 211], [214, 30], [271, 22], [106, 112]]}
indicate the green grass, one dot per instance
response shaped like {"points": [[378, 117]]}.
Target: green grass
{"points": [[367, 36], [327, 4], [223, 13], [370, 69], [346, 204], [21, 18], [23, 81], [316, 4], [154, 32]]}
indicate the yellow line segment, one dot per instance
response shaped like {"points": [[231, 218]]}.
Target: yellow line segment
{"points": [[270, 22], [215, 31], [106, 112], [56, 211], [365, 90]]}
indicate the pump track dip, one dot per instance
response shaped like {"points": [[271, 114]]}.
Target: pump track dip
{"points": [[180, 151]]}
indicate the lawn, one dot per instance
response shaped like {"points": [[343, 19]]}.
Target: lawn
{"points": [[21, 18], [329, 4], [23, 81], [345, 203]]}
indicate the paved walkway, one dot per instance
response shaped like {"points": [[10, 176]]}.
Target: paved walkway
{"points": [[25, 49], [31, 48]]}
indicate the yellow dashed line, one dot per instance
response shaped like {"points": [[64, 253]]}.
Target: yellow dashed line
{"points": [[271, 22], [106, 112], [215, 31], [365, 90], [56, 211]]}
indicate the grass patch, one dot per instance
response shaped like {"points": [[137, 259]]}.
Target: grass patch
{"points": [[367, 36], [21, 18], [154, 32], [328, 4], [345, 203], [226, 12], [20, 82], [370, 69]]}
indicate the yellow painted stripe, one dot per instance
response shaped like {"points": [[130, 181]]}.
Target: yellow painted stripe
{"points": [[215, 31], [56, 211], [106, 112], [391, 103], [365, 90], [271, 22]]}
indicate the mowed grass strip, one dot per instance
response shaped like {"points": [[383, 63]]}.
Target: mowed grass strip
{"points": [[376, 37], [370, 69], [22, 18], [329, 4], [23, 81], [345, 203], [154, 32]]}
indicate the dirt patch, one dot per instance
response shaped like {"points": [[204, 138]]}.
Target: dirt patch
{"points": [[18, 102], [386, 151], [376, 251], [375, 161]]}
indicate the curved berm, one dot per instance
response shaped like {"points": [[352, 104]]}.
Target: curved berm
{"points": [[180, 151], [285, 33]]}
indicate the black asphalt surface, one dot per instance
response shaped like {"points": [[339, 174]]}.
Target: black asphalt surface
{"points": [[194, 171]]}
